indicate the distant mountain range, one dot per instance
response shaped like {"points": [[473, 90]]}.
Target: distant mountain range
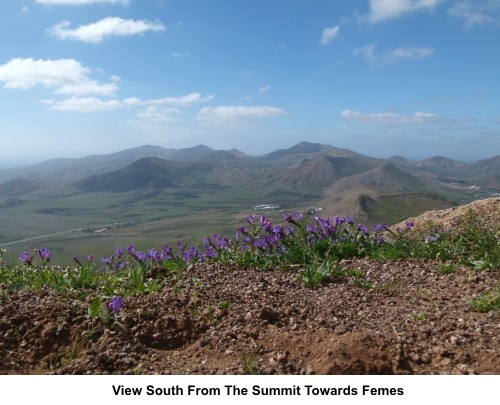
{"points": [[343, 181], [305, 164]]}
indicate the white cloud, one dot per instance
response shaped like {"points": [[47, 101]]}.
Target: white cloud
{"points": [[182, 101], [234, 114], [329, 34], [264, 89], [159, 115], [389, 119], [477, 12], [108, 27], [381, 10], [86, 104], [154, 111], [63, 76], [81, 2], [396, 55], [178, 55]]}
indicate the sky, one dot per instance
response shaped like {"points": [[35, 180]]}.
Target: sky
{"points": [[416, 78]]}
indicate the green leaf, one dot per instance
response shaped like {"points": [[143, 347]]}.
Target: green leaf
{"points": [[94, 308]]}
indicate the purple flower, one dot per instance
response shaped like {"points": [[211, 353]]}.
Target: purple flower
{"points": [[131, 249], [288, 218], [116, 304], [107, 260], [45, 254], [90, 258], [277, 229], [264, 221], [409, 224], [378, 228], [210, 252], [167, 251], [311, 228], [141, 257], [192, 254], [268, 226], [118, 252], [77, 261], [250, 219], [243, 230], [260, 244], [298, 215], [26, 258], [152, 254], [363, 229]]}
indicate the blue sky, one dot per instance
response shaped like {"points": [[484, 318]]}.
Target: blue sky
{"points": [[416, 78]]}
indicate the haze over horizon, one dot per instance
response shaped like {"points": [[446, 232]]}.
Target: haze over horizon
{"points": [[379, 77]]}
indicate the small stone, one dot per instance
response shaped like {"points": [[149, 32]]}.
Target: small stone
{"points": [[445, 362], [425, 358], [269, 315], [340, 329]]}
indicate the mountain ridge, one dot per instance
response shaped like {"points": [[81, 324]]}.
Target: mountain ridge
{"points": [[77, 168]]}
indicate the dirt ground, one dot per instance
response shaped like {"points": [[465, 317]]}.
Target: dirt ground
{"points": [[401, 317]]}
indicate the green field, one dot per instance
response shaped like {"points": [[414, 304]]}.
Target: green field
{"points": [[97, 223]]}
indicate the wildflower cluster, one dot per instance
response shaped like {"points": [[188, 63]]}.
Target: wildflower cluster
{"points": [[301, 239], [259, 242], [43, 252]]}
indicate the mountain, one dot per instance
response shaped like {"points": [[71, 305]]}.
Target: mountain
{"points": [[70, 169], [304, 149], [299, 156], [322, 169], [454, 173], [223, 156], [486, 167], [149, 173], [387, 178], [442, 163], [20, 187], [193, 153], [142, 174], [306, 170]]}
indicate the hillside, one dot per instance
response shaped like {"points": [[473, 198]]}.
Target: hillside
{"points": [[387, 178], [485, 212], [142, 174], [20, 187], [407, 316]]}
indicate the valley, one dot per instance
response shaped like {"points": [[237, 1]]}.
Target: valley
{"points": [[151, 196]]}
